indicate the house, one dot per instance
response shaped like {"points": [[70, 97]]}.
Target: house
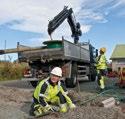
{"points": [[118, 57]]}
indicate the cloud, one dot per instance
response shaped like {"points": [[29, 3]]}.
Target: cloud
{"points": [[85, 28], [119, 3], [34, 14], [90, 17], [29, 15], [35, 41], [120, 6]]}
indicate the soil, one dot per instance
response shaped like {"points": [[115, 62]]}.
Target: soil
{"points": [[16, 98]]}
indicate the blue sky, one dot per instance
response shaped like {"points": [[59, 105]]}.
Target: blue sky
{"points": [[25, 21]]}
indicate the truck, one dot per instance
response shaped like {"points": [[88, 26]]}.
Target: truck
{"points": [[76, 59]]}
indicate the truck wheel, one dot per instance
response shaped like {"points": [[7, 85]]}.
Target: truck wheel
{"points": [[34, 83]]}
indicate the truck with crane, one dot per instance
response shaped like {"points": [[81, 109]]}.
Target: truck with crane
{"points": [[76, 59]]}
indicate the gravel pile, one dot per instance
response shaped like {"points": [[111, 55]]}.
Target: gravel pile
{"points": [[15, 104], [88, 112], [14, 96]]}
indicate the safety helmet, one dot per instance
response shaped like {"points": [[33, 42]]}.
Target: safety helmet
{"points": [[103, 49], [57, 71]]}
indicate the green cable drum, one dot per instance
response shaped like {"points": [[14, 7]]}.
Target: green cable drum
{"points": [[53, 44]]}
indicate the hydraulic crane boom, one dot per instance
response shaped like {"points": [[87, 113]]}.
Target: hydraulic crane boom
{"points": [[58, 20]]}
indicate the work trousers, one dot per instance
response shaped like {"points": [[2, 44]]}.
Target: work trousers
{"points": [[101, 76]]}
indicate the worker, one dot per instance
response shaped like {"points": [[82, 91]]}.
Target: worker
{"points": [[51, 91], [101, 65]]}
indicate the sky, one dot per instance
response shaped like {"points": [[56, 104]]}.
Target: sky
{"points": [[25, 21]]}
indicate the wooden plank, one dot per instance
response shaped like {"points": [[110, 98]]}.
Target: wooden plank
{"points": [[110, 102]]}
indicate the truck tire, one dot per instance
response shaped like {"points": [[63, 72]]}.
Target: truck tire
{"points": [[34, 83], [71, 82]]}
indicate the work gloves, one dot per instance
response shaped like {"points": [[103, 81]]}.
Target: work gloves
{"points": [[40, 111], [72, 106], [52, 108], [47, 108]]}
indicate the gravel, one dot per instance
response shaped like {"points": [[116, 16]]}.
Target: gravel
{"points": [[15, 101]]}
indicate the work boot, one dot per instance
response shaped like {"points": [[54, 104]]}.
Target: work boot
{"points": [[38, 111], [31, 112], [101, 90]]}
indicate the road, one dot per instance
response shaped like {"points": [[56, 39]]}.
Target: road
{"points": [[17, 84], [84, 85]]}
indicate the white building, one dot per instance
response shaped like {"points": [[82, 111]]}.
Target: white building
{"points": [[118, 57]]}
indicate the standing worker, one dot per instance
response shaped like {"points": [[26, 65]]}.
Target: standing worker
{"points": [[51, 91], [101, 65]]}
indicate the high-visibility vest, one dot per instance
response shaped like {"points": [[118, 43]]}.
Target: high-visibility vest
{"points": [[51, 91], [101, 62]]}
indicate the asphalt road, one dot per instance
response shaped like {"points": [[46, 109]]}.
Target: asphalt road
{"points": [[83, 85], [17, 84]]}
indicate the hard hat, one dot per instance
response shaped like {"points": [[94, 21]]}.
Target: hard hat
{"points": [[57, 71], [103, 49]]}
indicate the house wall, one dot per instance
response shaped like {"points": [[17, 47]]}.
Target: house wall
{"points": [[118, 63]]}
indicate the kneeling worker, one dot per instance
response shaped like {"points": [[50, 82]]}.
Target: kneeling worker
{"points": [[51, 91]]}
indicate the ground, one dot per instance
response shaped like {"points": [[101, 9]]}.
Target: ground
{"points": [[16, 98]]}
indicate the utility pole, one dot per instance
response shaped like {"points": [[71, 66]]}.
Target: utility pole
{"points": [[5, 49]]}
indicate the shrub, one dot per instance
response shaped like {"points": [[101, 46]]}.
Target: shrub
{"points": [[9, 70]]}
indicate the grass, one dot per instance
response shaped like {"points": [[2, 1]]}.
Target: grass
{"points": [[11, 71]]}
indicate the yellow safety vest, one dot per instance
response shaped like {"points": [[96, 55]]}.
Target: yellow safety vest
{"points": [[101, 62], [51, 91]]}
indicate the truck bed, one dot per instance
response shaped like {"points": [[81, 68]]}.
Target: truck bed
{"points": [[68, 51]]}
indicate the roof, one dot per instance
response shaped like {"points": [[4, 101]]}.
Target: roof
{"points": [[119, 52]]}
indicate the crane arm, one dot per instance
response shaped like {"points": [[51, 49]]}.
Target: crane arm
{"points": [[59, 19]]}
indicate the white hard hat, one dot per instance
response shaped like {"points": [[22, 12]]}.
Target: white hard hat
{"points": [[57, 71]]}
